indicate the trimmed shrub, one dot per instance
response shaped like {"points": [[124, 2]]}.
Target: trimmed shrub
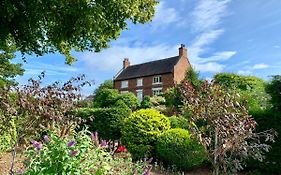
{"points": [[179, 122], [106, 121], [130, 100], [140, 132], [176, 147], [146, 103]]}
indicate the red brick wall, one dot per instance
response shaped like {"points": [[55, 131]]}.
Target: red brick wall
{"points": [[167, 82], [180, 69]]}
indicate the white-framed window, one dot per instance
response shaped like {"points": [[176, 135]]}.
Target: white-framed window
{"points": [[157, 80], [139, 82], [139, 94], [124, 84], [124, 92], [156, 91]]}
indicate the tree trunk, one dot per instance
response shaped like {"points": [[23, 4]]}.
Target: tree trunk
{"points": [[216, 164]]}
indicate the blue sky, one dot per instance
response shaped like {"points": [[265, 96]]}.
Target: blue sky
{"points": [[239, 36]]}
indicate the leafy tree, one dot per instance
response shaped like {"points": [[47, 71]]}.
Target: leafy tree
{"points": [[105, 98], [274, 89], [39, 27], [251, 89], [192, 77], [8, 70], [223, 126], [109, 98], [107, 84], [34, 107]]}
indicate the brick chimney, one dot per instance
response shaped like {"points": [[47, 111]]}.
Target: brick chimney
{"points": [[126, 63], [183, 51]]}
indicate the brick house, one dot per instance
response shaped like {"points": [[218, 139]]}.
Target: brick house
{"points": [[153, 77]]}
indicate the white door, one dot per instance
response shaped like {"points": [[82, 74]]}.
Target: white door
{"points": [[139, 95]]}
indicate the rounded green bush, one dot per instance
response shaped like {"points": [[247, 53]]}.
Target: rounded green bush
{"points": [[179, 122], [140, 132], [176, 147]]}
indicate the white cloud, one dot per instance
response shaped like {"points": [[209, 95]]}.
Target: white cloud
{"points": [[164, 15], [208, 14], [209, 67], [260, 66], [276, 46], [245, 72], [112, 58], [36, 69]]}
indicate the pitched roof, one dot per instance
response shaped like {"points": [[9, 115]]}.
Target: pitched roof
{"points": [[150, 68]]}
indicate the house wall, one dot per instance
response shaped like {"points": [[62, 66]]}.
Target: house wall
{"points": [[167, 82], [180, 69]]}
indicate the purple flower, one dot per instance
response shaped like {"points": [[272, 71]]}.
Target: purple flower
{"points": [[73, 153], [46, 138], [36, 144], [71, 143], [103, 143]]}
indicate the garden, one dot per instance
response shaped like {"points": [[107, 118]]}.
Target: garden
{"points": [[226, 126]]}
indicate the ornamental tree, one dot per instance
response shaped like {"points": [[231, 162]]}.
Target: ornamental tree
{"points": [[223, 126], [39, 27], [34, 107]]}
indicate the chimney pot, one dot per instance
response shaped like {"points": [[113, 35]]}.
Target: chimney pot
{"points": [[126, 63], [182, 51]]}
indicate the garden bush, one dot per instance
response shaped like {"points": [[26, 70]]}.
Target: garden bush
{"points": [[77, 154], [146, 102], [106, 121], [7, 136], [109, 97], [140, 131], [266, 120], [176, 147], [179, 122]]}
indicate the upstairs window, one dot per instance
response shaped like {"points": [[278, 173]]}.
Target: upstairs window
{"points": [[157, 80], [124, 84], [139, 82]]}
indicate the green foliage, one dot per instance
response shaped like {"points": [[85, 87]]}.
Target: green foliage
{"points": [[226, 129], [274, 89], [173, 101], [179, 122], [251, 89], [176, 147], [8, 136], [8, 70], [158, 103], [107, 84], [192, 77], [105, 98], [39, 27], [56, 156], [146, 103], [106, 121], [130, 100], [109, 98], [266, 120], [140, 132]]}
